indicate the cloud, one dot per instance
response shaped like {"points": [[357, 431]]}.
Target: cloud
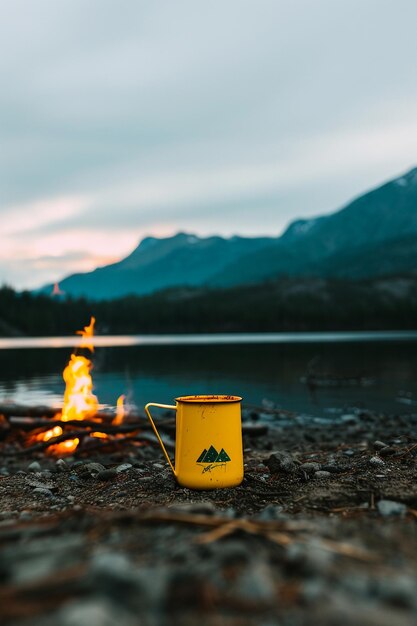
{"points": [[151, 117]]}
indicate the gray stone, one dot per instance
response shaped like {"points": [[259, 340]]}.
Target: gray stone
{"points": [[389, 507], [281, 462], [378, 445], [203, 508], [107, 474], [34, 467], [310, 558], [375, 461], [62, 466], [114, 575], [42, 491], [124, 467], [398, 591], [349, 418], [25, 515], [91, 469], [322, 474], [310, 467], [233, 553], [388, 451], [257, 584], [271, 512], [43, 484], [94, 612]]}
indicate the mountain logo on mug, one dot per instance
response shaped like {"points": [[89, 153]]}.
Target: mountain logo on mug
{"points": [[212, 456]]}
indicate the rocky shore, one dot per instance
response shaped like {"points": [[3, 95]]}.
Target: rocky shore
{"points": [[322, 531]]}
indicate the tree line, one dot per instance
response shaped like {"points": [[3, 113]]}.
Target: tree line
{"points": [[281, 305]]}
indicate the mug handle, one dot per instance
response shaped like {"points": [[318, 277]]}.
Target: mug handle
{"points": [[161, 406]]}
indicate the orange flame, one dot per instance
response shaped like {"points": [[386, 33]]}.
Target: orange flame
{"points": [[120, 411], [79, 401], [87, 335], [56, 431], [65, 447], [99, 435]]}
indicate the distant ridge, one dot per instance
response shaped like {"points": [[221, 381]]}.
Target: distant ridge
{"points": [[373, 235]]}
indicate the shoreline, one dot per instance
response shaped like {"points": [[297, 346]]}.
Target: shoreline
{"points": [[319, 502]]}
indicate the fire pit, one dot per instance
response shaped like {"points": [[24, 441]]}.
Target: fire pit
{"points": [[81, 425]]}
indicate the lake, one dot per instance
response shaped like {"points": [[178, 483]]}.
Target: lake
{"points": [[271, 366]]}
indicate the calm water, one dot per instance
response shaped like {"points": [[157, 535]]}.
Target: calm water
{"points": [[253, 366]]}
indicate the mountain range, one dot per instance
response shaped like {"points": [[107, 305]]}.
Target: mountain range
{"points": [[374, 235]]}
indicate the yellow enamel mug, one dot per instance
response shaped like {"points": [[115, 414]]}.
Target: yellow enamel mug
{"points": [[208, 443]]}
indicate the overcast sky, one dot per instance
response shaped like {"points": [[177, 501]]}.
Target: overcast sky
{"points": [[120, 119]]}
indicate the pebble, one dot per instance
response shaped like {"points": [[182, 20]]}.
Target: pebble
{"points": [[255, 430], [124, 467], [106, 474], [25, 515], [197, 508], [398, 591], [271, 512], [322, 474], [388, 451], [375, 461], [256, 584], [349, 419], [33, 482], [389, 507], [62, 466], [34, 467], [280, 462], [310, 467], [378, 445], [309, 559], [43, 491], [91, 468], [94, 612]]}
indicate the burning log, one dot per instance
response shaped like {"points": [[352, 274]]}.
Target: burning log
{"points": [[78, 435]]}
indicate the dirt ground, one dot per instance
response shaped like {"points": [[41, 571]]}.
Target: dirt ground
{"points": [[321, 531]]}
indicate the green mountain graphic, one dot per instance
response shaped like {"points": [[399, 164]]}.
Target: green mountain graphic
{"points": [[223, 457], [202, 455], [212, 456]]}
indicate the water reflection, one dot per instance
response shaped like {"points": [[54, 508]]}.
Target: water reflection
{"points": [[254, 371]]}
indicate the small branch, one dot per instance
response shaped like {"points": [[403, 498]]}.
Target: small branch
{"points": [[42, 425], [11, 411]]}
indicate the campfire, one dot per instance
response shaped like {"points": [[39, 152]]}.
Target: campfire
{"points": [[81, 424]]}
